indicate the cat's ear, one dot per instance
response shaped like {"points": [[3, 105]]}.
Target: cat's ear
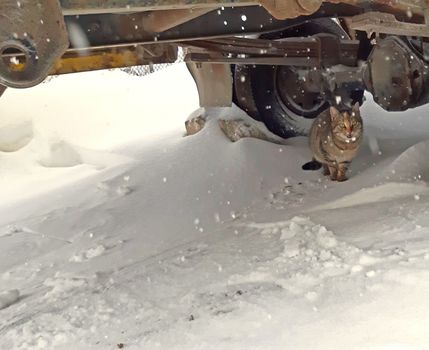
{"points": [[335, 114], [355, 108]]}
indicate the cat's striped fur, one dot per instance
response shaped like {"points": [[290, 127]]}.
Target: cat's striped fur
{"points": [[334, 139]]}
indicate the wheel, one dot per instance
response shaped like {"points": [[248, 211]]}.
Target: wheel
{"points": [[242, 91], [284, 102], [279, 95]]}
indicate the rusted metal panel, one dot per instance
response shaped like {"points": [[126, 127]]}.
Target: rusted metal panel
{"points": [[214, 83], [160, 21], [278, 8], [305, 52], [376, 22], [108, 58], [108, 29], [283, 9], [82, 60], [316, 51], [35, 29], [78, 7], [288, 47], [396, 76], [409, 7], [266, 61], [33, 36]]}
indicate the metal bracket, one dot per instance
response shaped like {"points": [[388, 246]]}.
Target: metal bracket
{"points": [[214, 83], [280, 9], [379, 22], [32, 37], [316, 51]]}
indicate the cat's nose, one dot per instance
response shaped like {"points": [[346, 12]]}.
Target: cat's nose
{"points": [[349, 136]]}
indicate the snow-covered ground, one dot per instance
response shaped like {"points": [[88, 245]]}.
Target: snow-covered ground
{"points": [[116, 231]]}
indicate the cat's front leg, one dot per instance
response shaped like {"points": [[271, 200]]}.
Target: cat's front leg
{"points": [[333, 171], [342, 169], [326, 171]]}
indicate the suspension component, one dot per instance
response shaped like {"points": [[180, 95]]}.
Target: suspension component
{"points": [[32, 37]]}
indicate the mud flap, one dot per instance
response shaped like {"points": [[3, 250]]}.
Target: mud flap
{"points": [[214, 83]]}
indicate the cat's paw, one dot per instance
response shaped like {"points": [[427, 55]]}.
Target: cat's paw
{"points": [[342, 178]]}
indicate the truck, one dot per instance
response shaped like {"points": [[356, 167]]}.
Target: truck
{"points": [[282, 61]]}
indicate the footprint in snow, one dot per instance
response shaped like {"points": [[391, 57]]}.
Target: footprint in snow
{"points": [[88, 254], [291, 195]]}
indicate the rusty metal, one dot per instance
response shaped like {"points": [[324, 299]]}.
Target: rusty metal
{"points": [[280, 9], [107, 58], [308, 52], [29, 48], [316, 51], [214, 83], [412, 10], [265, 61], [88, 59], [83, 7], [341, 75], [160, 21], [396, 76], [288, 47], [377, 22], [36, 30], [110, 29], [292, 51]]}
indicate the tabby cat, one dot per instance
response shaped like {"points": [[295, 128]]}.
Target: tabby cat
{"points": [[335, 138]]}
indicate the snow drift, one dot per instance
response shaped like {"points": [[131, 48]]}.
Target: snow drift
{"points": [[115, 229]]}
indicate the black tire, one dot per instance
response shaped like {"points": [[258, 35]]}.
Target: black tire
{"points": [[279, 117], [242, 90], [288, 117]]}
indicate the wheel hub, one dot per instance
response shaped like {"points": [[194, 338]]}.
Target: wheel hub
{"points": [[299, 91]]}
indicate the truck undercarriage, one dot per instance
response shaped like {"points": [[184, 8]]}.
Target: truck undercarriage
{"points": [[281, 61]]}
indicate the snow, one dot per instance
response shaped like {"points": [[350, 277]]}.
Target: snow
{"points": [[116, 229], [8, 298]]}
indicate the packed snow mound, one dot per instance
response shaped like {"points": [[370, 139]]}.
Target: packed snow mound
{"points": [[15, 136], [384, 192], [412, 164], [60, 154], [8, 298], [234, 122]]}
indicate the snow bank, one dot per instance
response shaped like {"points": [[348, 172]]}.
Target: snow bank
{"points": [[412, 164], [119, 230], [8, 298]]}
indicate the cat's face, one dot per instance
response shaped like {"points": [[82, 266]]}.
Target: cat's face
{"points": [[346, 126]]}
